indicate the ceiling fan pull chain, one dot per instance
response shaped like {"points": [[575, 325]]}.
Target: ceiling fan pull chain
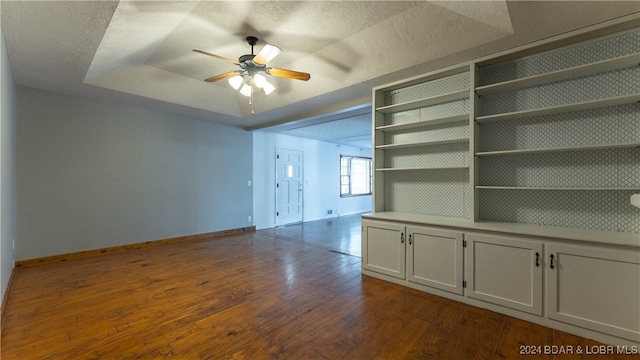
{"points": [[251, 100]]}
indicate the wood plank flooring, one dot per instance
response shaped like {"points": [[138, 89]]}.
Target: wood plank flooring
{"points": [[251, 296]]}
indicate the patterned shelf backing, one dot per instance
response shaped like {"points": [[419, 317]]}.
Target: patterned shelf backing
{"points": [[598, 210], [593, 209], [442, 192], [560, 59], [429, 192]]}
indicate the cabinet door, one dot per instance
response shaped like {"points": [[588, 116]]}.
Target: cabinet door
{"points": [[434, 258], [506, 271], [596, 288], [383, 247]]}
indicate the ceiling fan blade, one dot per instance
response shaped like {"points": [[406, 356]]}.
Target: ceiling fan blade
{"points": [[267, 54], [223, 76], [218, 57], [297, 75]]}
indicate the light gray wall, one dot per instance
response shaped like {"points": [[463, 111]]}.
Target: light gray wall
{"points": [[321, 178], [7, 170], [92, 174]]}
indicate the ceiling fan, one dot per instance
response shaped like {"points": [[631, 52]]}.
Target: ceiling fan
{"points": [[251, 69]]}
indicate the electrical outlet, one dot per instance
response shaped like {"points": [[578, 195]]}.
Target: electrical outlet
{"points": [[249, 218]]}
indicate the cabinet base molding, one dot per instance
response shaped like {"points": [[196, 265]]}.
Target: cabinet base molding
{"points": [[539, 320], [134, 246]]}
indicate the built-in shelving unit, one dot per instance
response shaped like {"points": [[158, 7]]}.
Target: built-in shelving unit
{"points": [[493, 175], [564, 143], [523, 137], [421, 145]]}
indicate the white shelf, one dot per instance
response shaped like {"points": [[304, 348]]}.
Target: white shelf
{"points": [[557, 188], [545, 150], [425, 168], [434, 100], [417, 124], [570, 73], [619, 100], [425, 143]]}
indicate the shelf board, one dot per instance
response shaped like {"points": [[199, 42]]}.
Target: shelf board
{"points": [[410, 105], [564, 149], [565, 74], [424, 168], [557, 188], [619, 100], [425, 143], [417, 124]]}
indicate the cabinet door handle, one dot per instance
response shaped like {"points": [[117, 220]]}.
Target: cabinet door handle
{"points": [[551, 263], [537, 259], [402, 238], [409, 239]]}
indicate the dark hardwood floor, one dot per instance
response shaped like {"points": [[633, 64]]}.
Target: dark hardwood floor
{"points": [[262, 295], [341, 234]]}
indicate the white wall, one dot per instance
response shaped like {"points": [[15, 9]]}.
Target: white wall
{"points": [[92, 174], [321, 178], [7, 170]]}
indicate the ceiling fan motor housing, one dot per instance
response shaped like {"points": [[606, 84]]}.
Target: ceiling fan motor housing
{"points": [[244, 58]]}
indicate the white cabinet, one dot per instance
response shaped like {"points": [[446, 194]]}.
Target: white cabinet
{"points": [[417, 254], [383, 249], [595, 287], [434, 258], [590, 289], [506, 271]]}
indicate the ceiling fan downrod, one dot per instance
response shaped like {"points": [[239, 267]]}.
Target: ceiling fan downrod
{"points": [[252, 40]]}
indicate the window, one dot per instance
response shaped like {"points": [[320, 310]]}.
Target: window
{"points": [[355, 176]]}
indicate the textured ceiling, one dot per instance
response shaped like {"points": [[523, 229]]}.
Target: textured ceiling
{"points": [[139, 52]]}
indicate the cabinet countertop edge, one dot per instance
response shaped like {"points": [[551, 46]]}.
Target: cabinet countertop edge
{"points": [[539, 231]]}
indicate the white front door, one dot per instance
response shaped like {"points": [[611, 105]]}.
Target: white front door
{"points": [[288, 186]]}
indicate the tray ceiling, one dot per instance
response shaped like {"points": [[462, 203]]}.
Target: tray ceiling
{"points": [[139, 53]]}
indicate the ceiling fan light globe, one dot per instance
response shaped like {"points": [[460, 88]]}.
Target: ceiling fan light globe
{"points": [[259, 80], [246, 90], [236, 81], [268, 88]]}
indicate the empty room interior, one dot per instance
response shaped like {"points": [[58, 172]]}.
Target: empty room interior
{"points": [[320, 179]]}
